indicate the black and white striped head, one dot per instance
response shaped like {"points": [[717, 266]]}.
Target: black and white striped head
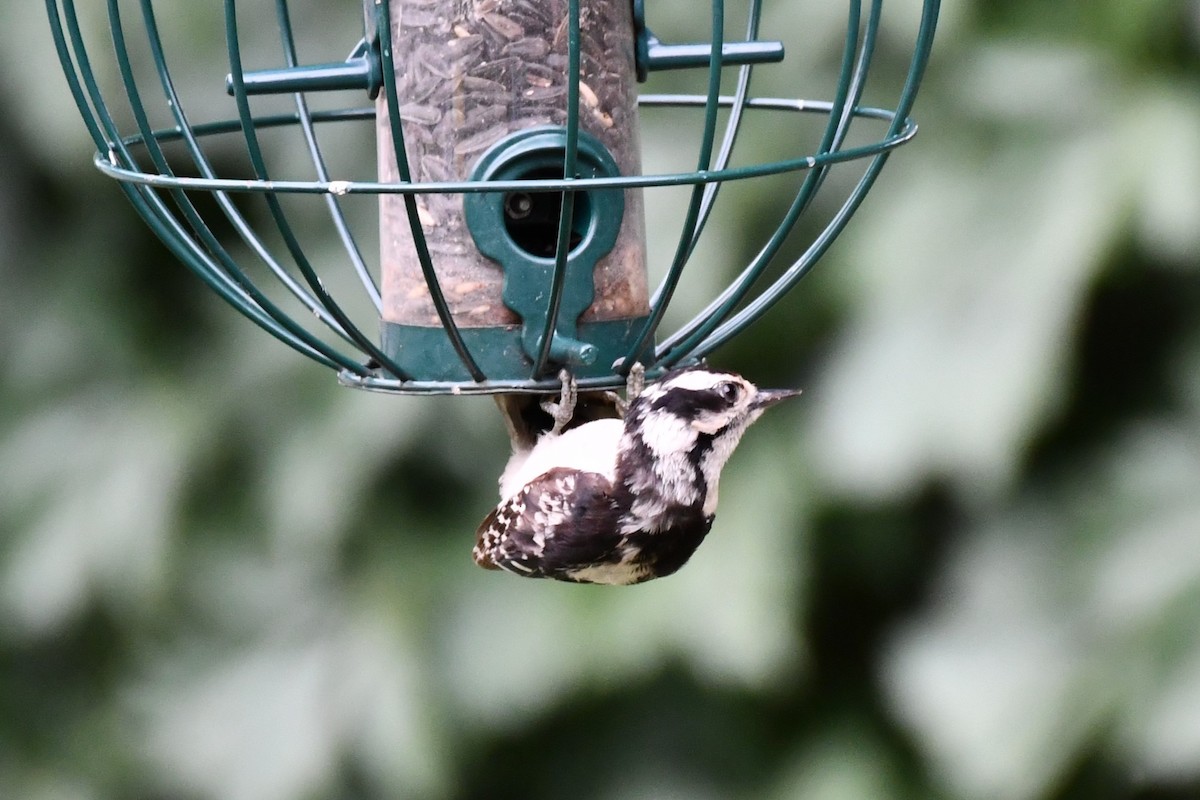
{"points": [[709, 402], [696, 416]]}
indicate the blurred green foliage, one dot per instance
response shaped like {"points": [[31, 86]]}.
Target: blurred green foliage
{"points": [[967, 566]]}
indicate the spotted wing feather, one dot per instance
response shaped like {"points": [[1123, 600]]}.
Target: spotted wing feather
{"points": [[554, 525]]}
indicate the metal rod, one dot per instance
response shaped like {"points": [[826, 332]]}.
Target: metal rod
{"points": [[144, 200], [732, 126], [562, 249], [662, 56], [354, 73], [306, 123], [856, 62], [232, 214], [662, 295], [753, 311], [258, 163], [907, 130]]}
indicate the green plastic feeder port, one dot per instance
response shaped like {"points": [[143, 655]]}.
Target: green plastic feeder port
{"points": [[519, 230]]}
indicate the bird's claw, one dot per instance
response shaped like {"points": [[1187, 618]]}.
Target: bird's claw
{"points": [[564, 409], [635, 382]]}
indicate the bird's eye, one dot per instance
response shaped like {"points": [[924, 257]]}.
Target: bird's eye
{"points": [[728, 392]]}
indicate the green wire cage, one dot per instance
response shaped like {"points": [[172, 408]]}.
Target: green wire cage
{"points": [[508, 199]]}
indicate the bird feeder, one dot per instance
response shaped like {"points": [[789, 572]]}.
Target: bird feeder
{"points": [[507, 169]]}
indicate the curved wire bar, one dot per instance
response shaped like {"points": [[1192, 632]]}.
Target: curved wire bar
{"points": [[310, 137], [856, 62], [191, 215], [562, 248], [104, 130], [733, 125], [906, 131], [164, 225], [189, 211], [666, 289], [541, 386], [232, 214], [800, 268], [291, 242]]}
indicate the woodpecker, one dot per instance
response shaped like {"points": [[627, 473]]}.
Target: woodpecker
{"points": [[623, 501]]}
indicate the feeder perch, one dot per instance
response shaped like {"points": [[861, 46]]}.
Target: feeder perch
{"points": [[507, 171]]}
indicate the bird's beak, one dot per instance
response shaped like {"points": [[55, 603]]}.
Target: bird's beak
{"points": [[766, 398]]}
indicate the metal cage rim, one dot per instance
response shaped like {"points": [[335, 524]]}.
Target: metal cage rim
{"points": [[107, 164]]}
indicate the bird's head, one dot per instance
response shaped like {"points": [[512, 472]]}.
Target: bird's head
{"points": [[699, 414], [707, 402]]}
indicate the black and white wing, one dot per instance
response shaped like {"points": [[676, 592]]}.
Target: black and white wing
{"points": [[559, 523]]}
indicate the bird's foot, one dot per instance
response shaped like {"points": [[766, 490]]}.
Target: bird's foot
{"points": [[635, 382], [564, 409]]}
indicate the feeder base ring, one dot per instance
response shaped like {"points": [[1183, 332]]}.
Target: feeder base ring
{"points": [[428, 352]]}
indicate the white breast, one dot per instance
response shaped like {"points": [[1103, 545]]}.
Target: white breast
{"points": [[589, 448]]}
